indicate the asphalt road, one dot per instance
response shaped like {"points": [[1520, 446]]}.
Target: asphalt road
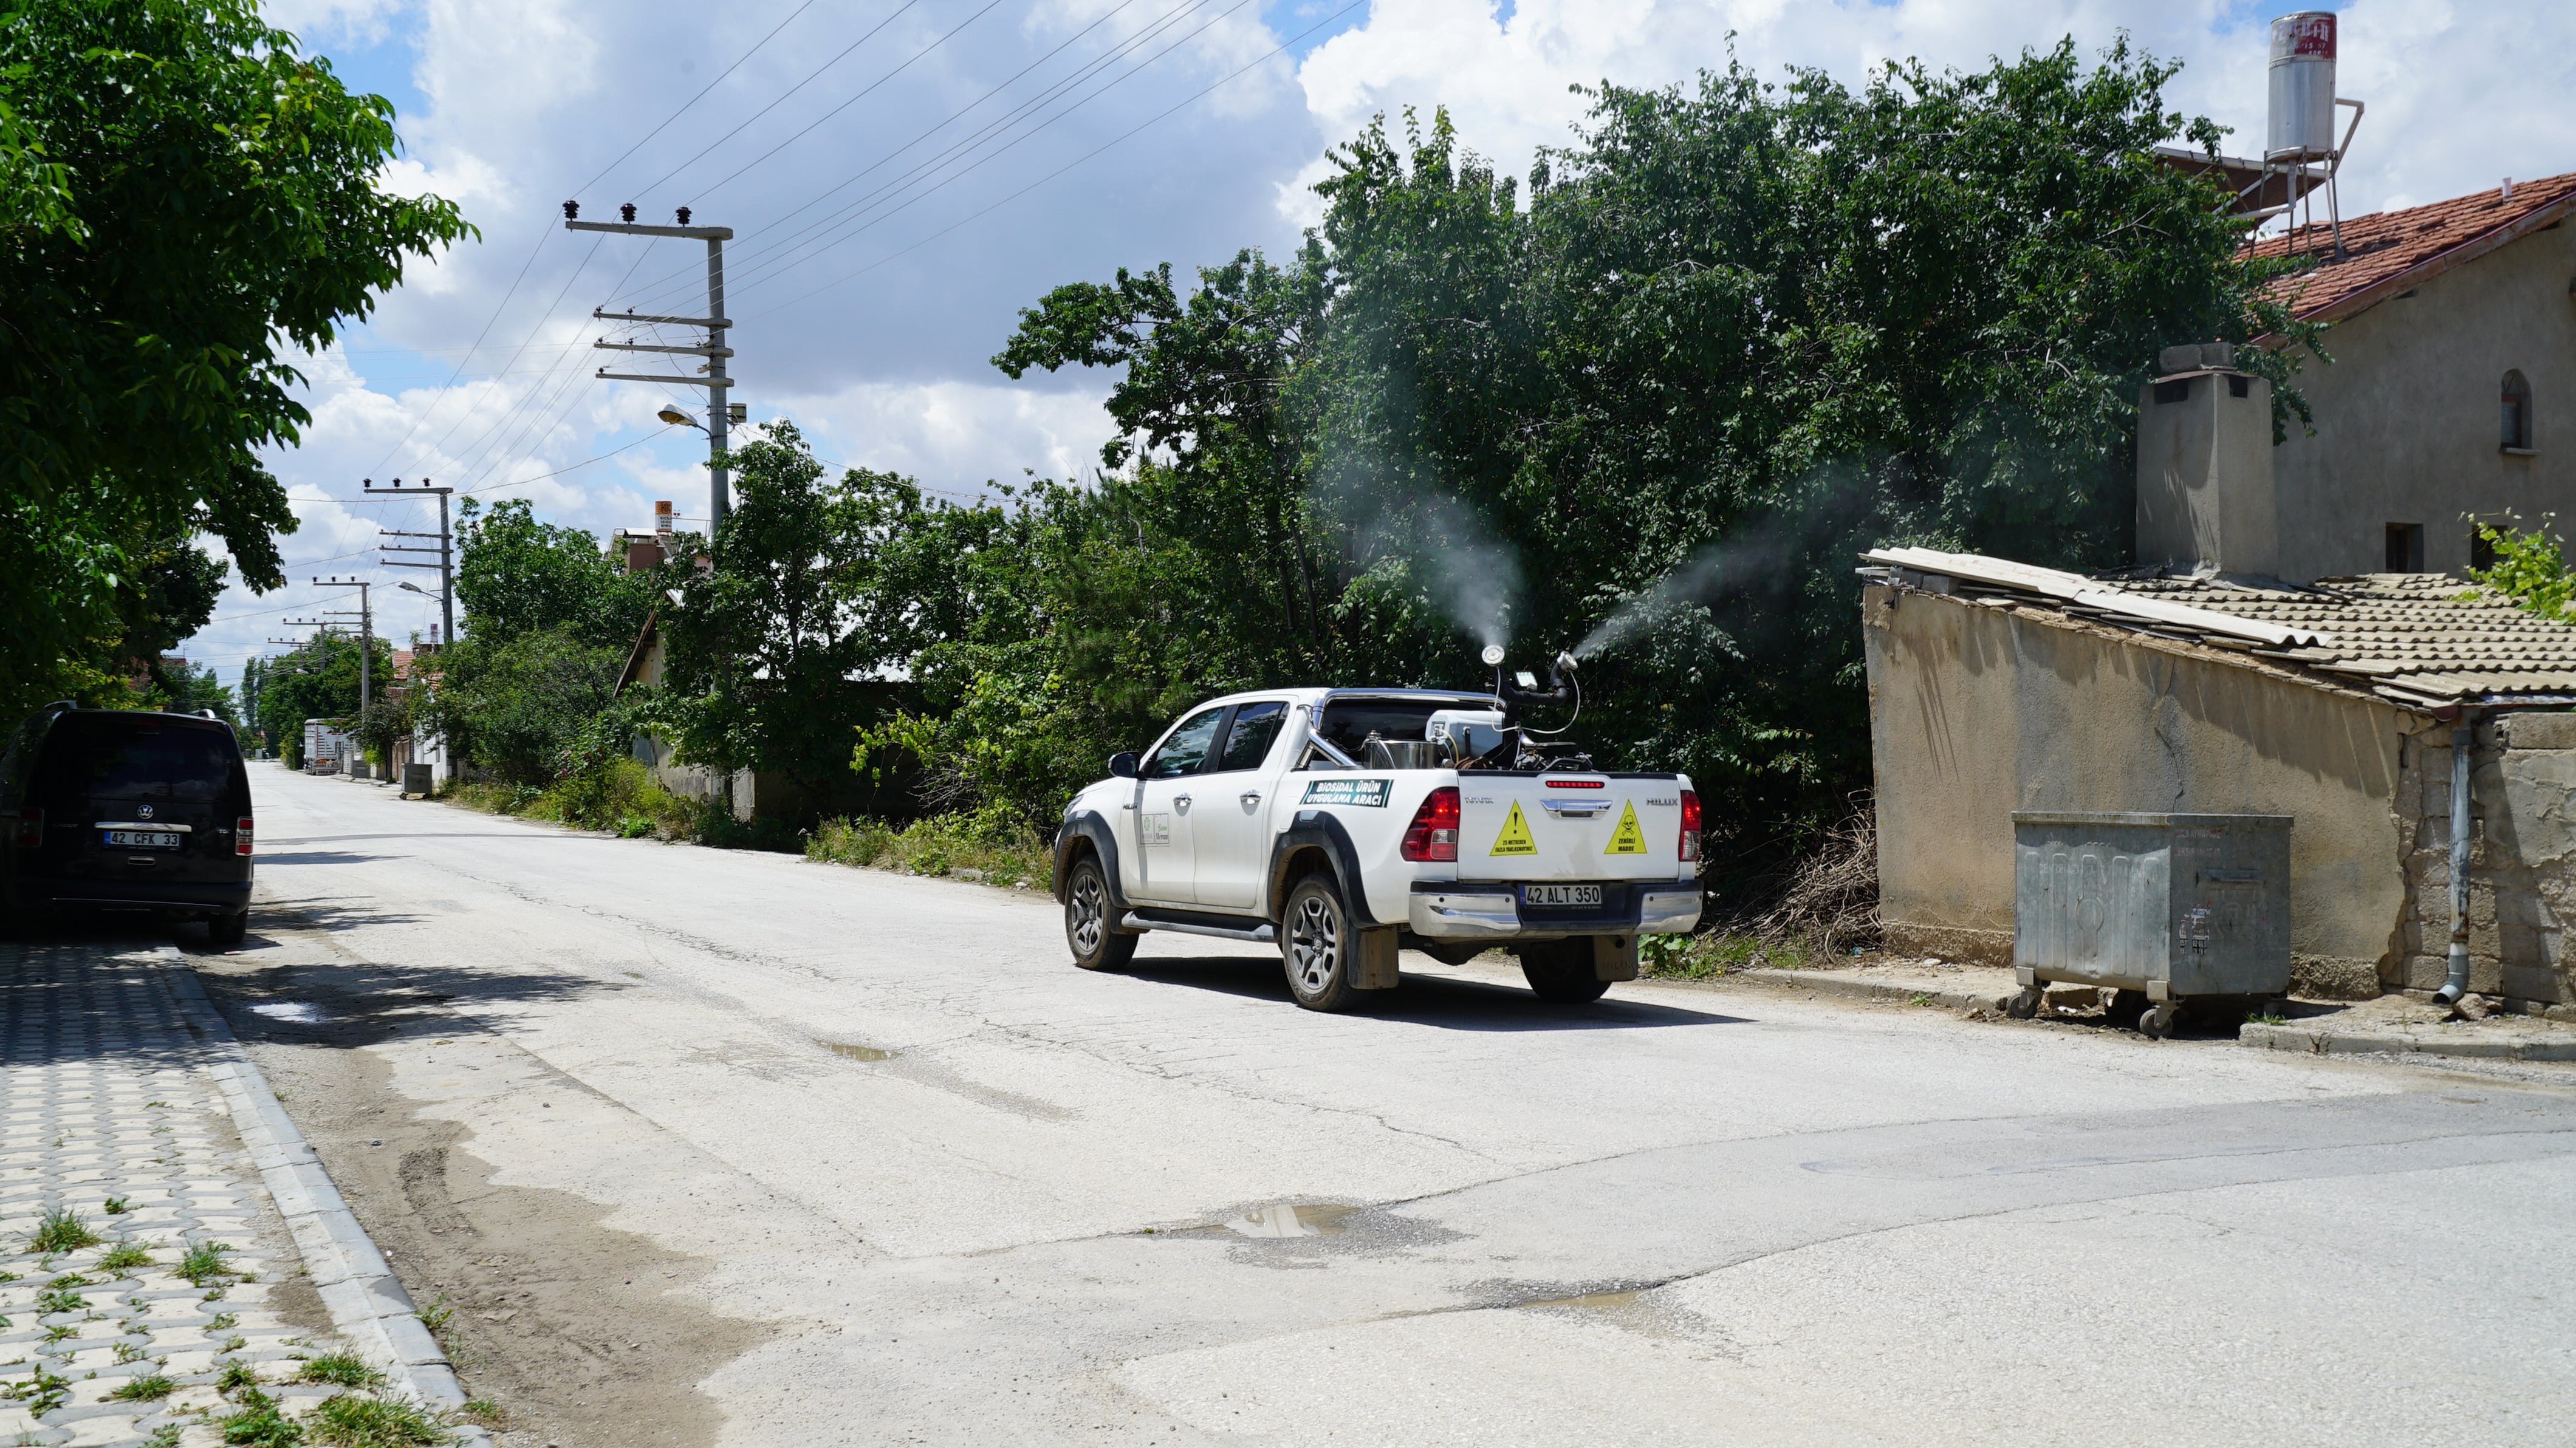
{"points": [[839, 1157]]}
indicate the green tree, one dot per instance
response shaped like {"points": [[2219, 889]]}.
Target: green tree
{"points": [[318, 680], [519, 707], [515, 575], [1732, 335], [184, 197]]}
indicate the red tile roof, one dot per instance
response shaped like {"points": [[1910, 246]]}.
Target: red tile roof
{"points": [[2390, 252]]}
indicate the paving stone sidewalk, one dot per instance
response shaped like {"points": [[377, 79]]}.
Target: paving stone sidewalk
{"points": [[115, 1126]]}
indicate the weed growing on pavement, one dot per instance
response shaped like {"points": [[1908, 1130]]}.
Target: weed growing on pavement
{"points": [[235, 1378], [234, 1344], [42, 1393], [1702, 957], [124, 1257], [992, 843], [204, 1262], [165, 1436], [258, 1424], [435, 1316], [127, 1352], [61, 1230], [60, 1332], [2269, 1018], [222, 1321], [117, 1206], [351, 1421], [484, 1413], [342, 1369], [146, 1389]]}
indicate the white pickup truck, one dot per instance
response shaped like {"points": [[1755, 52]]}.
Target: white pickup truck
{"points": [[1346, 824]]}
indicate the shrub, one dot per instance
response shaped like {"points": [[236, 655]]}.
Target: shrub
{"points": [[991, 841]]}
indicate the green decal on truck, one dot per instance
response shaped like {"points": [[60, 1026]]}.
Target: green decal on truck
{"points": [[1369, 792]]}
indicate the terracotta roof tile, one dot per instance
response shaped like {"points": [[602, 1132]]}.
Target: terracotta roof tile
{"points": [[2412, 638], [2390, 251]]}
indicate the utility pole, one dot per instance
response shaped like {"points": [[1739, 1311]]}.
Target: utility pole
{"points": [[446, 564], [366, 618], [719, 412]]}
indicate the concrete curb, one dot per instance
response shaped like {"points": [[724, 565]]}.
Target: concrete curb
{"points": [[1870, 990], [2322, 1041], [367, 1302]]}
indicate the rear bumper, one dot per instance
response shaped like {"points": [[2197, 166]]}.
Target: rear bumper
{"points": [[221, 897], [1451, 910]]}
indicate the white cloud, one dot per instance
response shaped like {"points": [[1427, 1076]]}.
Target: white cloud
{"points": [[523, 101]]}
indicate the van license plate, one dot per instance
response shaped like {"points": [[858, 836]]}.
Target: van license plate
{"points": [[142, 840], [1560, 894]]}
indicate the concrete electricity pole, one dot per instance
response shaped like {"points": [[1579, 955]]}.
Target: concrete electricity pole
{"points": [[366, 631], [719, 412], [446, 551]]}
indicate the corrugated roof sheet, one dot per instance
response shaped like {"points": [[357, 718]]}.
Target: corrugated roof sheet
{"points": [[2388, 252], [2417, 639]]}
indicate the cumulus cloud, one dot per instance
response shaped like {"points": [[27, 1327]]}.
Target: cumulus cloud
{"points": [[873, 330]]}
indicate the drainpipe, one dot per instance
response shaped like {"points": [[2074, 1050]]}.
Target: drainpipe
{"points": [[2462, 741]]}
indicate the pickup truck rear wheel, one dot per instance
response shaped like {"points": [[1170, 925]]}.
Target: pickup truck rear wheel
{"points": [[1561, 970], [1315, 944], [1096, 944]]}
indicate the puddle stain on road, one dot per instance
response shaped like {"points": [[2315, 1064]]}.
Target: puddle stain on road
{"points": [[856, 1052], [1291, 1219]]}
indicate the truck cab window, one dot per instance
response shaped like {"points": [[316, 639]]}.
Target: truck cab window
{"points": [[1248, 742], [1187, 749]]}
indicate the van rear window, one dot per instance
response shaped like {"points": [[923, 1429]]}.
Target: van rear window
{"points": [[139, 759]]}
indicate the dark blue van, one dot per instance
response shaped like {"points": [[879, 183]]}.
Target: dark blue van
{"points": [[124, 809]]}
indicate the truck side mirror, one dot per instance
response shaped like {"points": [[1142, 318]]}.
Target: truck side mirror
{"points": [[1123, 764]]}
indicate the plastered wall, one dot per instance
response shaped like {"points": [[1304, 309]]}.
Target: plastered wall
{"points": [[2408, 426], [1976, 712]]}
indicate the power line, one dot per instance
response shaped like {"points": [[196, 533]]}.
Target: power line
{"points": [[760, 257], [702, 94], [1060, 170], [817, 74]]}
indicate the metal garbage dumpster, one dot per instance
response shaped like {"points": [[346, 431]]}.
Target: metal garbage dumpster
{"points": [[417, 779], [2159, 908]]}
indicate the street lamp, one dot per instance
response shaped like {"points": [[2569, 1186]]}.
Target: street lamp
{"points": [[408, 586], [676, 418]]}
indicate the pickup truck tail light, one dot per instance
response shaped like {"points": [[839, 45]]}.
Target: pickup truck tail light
{"points": [[1433, 835], [31, 829], [241, 835], [1690, 825]]}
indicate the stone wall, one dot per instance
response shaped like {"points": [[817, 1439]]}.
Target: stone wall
{"points": [[2522, 858]]}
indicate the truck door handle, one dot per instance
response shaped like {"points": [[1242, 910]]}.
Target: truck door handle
{"points": [[1181, 802], [1250, 797]]}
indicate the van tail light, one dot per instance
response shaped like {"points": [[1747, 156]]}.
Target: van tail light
{"points": [[1433, 835], [241, 834], [1690, 825], [31, 829]]}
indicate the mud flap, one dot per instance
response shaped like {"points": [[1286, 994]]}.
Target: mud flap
{"points": [[1375, 967], [1614, 957]]}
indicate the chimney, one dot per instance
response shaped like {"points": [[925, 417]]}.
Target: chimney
{"points": [[2205, 495]]}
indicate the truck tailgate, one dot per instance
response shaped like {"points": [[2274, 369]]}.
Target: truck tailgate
{"points": [[1569, 826]]}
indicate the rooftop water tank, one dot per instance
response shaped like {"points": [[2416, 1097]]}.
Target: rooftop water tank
{"points": [[2303, 87]]}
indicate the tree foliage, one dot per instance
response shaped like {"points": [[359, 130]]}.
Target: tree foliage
{"points": [[1652, 407], [185, 197], [515, 575]]}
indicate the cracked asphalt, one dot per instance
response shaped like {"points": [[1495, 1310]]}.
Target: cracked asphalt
{"points": [[767, 1152]]}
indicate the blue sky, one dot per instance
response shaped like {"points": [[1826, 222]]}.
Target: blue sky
{"points": [[477, 370]]}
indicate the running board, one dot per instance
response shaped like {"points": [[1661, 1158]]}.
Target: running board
{"points": [[1261, 934]]}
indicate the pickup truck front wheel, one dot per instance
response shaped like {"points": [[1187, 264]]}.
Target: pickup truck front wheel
{"points": [[1561, 970], [1315, 943], [1096, 943]]}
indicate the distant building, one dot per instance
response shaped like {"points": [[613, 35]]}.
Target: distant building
{"points": [[2452, 393]]}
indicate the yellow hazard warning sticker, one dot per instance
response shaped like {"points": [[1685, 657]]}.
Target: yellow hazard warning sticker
{"points": [[1627, 839], [1515, 838]]}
